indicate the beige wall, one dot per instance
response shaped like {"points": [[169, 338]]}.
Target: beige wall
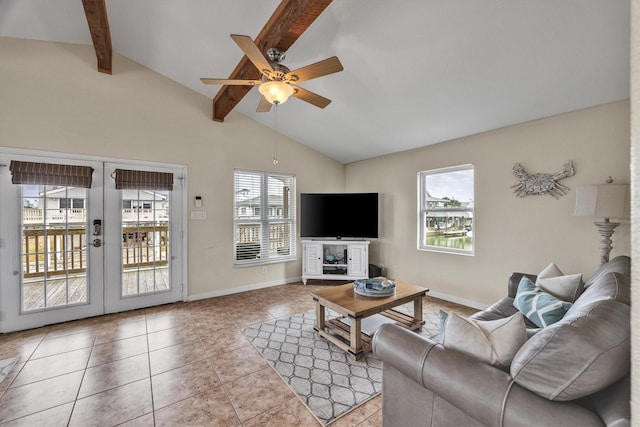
{"points": [[53, 99], [512, 233]]}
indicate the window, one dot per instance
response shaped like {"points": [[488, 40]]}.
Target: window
{"points": [[446, 221], [71, 203], [264, 217]]}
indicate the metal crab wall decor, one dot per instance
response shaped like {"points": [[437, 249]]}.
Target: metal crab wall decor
{"points": [[541, 183]]}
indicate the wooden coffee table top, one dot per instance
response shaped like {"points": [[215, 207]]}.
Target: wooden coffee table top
{"points": [[344, 300]]}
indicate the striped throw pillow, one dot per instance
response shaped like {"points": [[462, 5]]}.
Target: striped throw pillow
{"points": [[540, 307]]}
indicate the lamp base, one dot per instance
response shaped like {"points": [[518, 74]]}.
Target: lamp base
{"points": [[605, 229]]}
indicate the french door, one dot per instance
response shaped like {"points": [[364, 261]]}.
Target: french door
{"points": [[144, 253], [70, 252]]}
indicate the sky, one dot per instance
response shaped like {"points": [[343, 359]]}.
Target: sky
{"points": [[453, 184]]}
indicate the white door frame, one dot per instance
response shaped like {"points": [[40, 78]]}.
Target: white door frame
{"points": [[10, 239]]}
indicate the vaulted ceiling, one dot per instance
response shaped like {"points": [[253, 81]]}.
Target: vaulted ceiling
{"points": [[416, 72]]}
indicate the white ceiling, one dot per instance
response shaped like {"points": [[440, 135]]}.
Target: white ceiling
{"points": [[416, 72]]}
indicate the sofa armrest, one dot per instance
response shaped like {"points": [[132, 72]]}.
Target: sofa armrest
{"points": [[483, 392], [469, 385], [514, 281], [612, 403]]}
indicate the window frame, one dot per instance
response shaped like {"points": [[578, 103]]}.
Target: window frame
{"points": [[423, 210], [240, 216]]}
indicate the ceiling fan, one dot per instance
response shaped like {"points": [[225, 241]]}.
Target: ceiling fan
{"points": [[277, 82]]}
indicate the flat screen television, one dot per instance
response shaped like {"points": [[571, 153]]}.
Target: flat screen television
{"points": [[339, 215]]}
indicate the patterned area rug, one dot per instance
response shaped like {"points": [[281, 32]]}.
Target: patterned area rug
{"points": [[5, 367], [325, 378]]}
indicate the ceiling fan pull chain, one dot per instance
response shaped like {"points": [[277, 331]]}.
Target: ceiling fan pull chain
{"points": [[275, 136]]}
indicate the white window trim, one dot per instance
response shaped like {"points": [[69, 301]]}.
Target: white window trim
{"points": [[264, 220], [422, 245]]}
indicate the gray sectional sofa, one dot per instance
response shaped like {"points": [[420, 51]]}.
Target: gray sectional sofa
{"points": [[574, 372]]}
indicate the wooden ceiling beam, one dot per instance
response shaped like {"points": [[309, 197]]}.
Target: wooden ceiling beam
{"points": [[288, 22], [96, 12]]}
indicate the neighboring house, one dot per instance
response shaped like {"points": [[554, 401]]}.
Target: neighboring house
{"points": [[440, 219], [251, 207], [64, 205]]}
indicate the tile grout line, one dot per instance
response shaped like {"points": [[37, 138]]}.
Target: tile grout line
{"points": [[84, 374], [153, 405]]}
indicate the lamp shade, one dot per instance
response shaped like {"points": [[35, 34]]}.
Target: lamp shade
{"points": [[276, 92], [602, 201]]}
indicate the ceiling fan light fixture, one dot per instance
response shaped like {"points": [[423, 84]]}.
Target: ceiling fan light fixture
{"points": [[276, 92]]}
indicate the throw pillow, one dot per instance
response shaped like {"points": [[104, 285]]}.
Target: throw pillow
{"points": [[492, 341], [540, 307], [564, 287], [551, 270], [567, 288], [443, 315]]}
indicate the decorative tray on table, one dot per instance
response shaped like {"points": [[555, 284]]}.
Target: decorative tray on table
{"points": [[379, 288]]}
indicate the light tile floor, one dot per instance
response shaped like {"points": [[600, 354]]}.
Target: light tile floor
{"points": [[178, 364]]}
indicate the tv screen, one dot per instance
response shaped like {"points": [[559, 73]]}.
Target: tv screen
{"points": [[338, 215]]}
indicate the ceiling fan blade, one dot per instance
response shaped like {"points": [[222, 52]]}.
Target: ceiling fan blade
{"points": [[230, 82], [310, 97], [264, 106], [319, 69], [253, 53]]}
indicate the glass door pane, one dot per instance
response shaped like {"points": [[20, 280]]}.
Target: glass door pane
{"points": [[145, 241], [54, 247]]}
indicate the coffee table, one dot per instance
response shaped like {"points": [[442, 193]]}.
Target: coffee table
{"points": [[346, 331]]}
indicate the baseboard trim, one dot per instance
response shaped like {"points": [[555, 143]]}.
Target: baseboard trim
{"points": [[457, 300], [253, 287], [264, 285]]}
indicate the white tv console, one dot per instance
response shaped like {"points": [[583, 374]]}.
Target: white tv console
{"points": [[335, 259]]}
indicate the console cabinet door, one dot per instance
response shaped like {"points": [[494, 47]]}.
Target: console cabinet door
{"points": [[357, 264], [312, 259]]}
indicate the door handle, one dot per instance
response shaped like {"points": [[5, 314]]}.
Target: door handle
{"points": [[97, 243]]}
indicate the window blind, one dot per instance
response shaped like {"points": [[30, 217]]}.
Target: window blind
{"points": [[264, 217], [143, 180], [50, 174]]}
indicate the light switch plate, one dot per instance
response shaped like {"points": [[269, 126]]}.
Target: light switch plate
{"points": [[198, 214]]}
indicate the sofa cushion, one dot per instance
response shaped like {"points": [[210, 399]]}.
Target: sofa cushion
{"points": [[609, 285], [542, 308], [498, 310], [564, 287], [586, 351], [493, 341], [620, 264]]}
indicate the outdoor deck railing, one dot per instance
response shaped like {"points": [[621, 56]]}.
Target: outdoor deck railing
{"points": [[278, 235], [34, 216], [64, 251]]}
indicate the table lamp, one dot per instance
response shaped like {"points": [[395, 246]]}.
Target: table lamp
{"points": [[603, 201]]}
